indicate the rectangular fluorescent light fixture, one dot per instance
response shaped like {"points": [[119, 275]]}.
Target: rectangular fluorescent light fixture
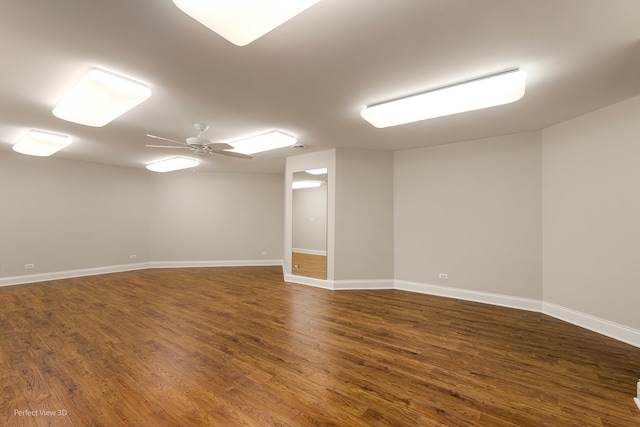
{"points": [[320, 171], [297, 185], [243, 21], [173, 164], [99, 97], [497, 89], [41, 143], [263, 142]]}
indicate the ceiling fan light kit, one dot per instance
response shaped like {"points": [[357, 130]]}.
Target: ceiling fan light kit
{"points": [[496, 89], [243, 21], [201, 145], [100, 97], [41, 143], [173, 164]]}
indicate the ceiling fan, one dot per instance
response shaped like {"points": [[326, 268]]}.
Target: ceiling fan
{"points": [[201, 145]]}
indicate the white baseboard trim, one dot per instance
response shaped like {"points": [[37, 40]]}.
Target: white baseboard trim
{"points": [[309, 281], [371, 284], [601, 326], [468, 295], [637, 400], [604, 327], [340, 285], [224, 263], [68, 274], [309, 251]]}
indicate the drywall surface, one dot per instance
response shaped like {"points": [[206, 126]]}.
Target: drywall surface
{"points": [[364, 215], [64, 215], [75, 218], [216, 216], [471, 210], [591, 213]]}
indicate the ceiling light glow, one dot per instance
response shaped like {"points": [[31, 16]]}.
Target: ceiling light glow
{"points": [[297, 185], [243, 21], [497, 89], [41, 143], [320, 171], [264, 142], [100, 97], [173, 164]]}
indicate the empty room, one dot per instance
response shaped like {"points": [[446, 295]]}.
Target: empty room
{"points": [[320, 213]]}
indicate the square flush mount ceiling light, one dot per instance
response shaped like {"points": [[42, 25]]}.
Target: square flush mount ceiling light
{"points": [[40, 143], [173, 164], [243, 21], [99, 97], [263, 142], [490, 91]]}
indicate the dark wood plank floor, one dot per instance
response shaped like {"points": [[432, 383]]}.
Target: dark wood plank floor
{"points": [[239, 347]]}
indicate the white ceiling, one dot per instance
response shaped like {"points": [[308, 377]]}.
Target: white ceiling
{"points": [[311, 76]]}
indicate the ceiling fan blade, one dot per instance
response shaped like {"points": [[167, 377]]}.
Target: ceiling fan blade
{"points": [[219, 146], [165, 139], [232, 154], [164, 146]]}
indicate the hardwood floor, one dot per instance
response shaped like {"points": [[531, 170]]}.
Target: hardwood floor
{"points": [[240, 347], [309, 265]]}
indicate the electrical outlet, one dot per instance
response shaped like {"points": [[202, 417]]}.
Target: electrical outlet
{"points": [[264, 253], [29, 266], [133, 256], [444, 276]]}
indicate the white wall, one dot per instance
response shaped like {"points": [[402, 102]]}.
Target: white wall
{"points": [[73, 218], [364, 215], [591, 213], [63, 215], [216, 216], [471, 210]]}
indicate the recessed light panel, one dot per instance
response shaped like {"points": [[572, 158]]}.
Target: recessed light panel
{"points": [[243, 21], [99, 97], [173, 164], [263, 142], [40, 143], [490, 91]]}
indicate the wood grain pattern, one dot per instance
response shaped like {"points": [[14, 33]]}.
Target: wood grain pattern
{"points": [[309, 265], [240, 347]]}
